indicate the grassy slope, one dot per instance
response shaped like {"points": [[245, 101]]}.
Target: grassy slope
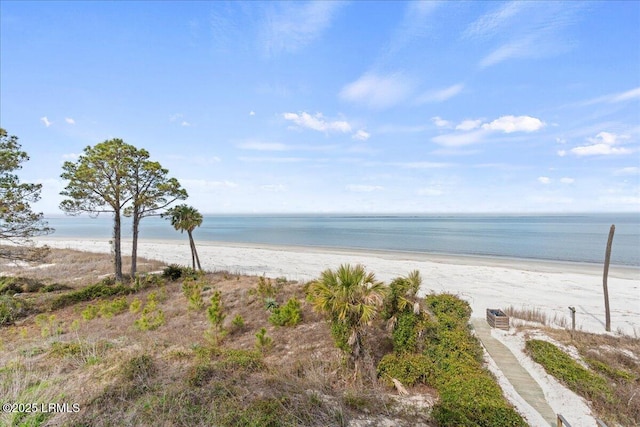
{"points": [[120, 375]]}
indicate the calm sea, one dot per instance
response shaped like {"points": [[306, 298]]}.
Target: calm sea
{"points": [[576, 238]]}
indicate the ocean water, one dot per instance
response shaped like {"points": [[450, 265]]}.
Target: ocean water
{"points": [[575, 238]]}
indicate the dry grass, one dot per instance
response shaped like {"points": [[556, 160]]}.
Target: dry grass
{"points": [[90, 362], [74, 268], [537, 315]]}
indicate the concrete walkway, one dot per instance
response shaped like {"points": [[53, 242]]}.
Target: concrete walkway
{"points": [[522, 382]]}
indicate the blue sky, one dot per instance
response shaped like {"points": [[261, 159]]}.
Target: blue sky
{"points": [[337, 107]]}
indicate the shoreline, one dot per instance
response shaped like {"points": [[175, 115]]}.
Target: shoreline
{"points": [[527, 264], [544, 287]]}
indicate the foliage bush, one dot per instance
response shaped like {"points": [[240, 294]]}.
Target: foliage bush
{"points": [[238, 322], [135, 305], [108, 309], [287, 315], [174, 272], [408, 368], [410, 332], [98, 290], [11, 309], [192, 290], [452, 363], [15, 285], [90, 312], [559, 364], [263, 342], [265, 288], [151, 317]]}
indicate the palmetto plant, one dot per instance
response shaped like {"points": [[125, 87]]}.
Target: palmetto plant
{"points": [[351, 298], [184, 217], [402, 297]]}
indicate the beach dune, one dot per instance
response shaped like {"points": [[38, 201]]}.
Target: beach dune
{"points": [[484, 282]]}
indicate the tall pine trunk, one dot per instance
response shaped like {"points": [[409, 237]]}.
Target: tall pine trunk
{"points": [[117, 251], [134, 243]]}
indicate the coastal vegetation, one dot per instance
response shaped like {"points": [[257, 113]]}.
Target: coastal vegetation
{"points": [[119, 179], [18, 222], [251, 351], [186, 218]]}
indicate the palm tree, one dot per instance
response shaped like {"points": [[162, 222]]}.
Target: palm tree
{"points": [[184, 217], [402, 297], [351, 298]]}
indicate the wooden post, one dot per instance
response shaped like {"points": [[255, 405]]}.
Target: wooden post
{"points": [[573, 318], [607, 259]]}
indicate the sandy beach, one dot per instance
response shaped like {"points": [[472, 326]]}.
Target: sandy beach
{"points": [[483, 281]]}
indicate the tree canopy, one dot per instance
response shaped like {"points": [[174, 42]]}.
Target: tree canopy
{"points": [[118, 178], [18, 222]]}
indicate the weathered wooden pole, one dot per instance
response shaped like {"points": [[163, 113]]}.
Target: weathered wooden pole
{"points": [[607, 259], [573, 318]]}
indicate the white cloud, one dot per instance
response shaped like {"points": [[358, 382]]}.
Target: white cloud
{"points": [[514, 49], [567, 180], [598, 149], [509, 124], [70, 156], [561, 140], [185, 123], [70, 121], [460, 139], [262, 146], [467, 125], [377, 91], [562, 153], [291, 26], [602, 144], [490, 23], [440, 122], [363, 188], [625, 96], [361, 135], [46, 121], [441, 95], [317, 122], [252, 113], [544, 180], [628, 95]]}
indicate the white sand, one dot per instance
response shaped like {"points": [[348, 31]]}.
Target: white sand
{"points": [[483, 282]]}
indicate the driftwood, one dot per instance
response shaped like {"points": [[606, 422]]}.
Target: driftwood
{"points": [[403, 391]]}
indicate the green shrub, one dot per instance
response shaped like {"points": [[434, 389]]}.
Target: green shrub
{"points": [[408, 332], [449, 307], [108, 309], [287, 315], [135, 305], [99, 290], [408, 368], [265, 288], [263, 342], [620, 375], [559, 364], [215, 311], [151, 317], [192, 290], [238, 359], [11, 285], [172, 272], [11, 309], [238, 322], [90, 313], [340, 333]]}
